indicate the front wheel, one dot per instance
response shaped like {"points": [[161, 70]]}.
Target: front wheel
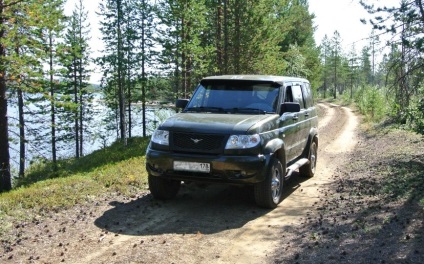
{"points": [[163, 189], [268, 193], [308, 170]]}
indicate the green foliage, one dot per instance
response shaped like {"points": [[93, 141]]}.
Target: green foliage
{"points": [[74, 56], [345, 97], [415, 113], [296, 65], [403, 66], [371, 102]]}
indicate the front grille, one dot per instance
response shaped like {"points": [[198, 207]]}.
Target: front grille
{"points": [[197, 143]]}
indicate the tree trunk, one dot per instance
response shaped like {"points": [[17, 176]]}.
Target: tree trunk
{"points": [[52, 104], [184, 56], [121, 91], [22, 141], [226, 36], [80, 88], [81, 121], [5, 177], [76, 116], [143, 65], [335, 76], [129, 79], [21, 126], [236, 50], [218, 38]]}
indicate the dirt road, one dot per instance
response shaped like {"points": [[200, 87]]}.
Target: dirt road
{"points": [[202, 225]]}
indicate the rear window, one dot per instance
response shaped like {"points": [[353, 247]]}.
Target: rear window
{"points": [[297, 95], [307, 95]]}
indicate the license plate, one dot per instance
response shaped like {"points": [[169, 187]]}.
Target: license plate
{"points": [[192, 166]]}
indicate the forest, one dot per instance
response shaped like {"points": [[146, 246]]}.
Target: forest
{"points": [[158, 51]]}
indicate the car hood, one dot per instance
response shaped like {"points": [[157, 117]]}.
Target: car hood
{"points": [[219, 123]]}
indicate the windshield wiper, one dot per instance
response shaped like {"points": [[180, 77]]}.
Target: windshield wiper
{"points": [[248, 110], [205, 109]]}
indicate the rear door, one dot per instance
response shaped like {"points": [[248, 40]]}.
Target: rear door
{"points": [[302, 120], [289, 125], [311, 118]]}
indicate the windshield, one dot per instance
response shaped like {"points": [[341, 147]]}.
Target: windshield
{"points": [[235, 96]]}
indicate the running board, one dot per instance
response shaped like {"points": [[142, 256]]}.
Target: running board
{"points": [[295, 166]]}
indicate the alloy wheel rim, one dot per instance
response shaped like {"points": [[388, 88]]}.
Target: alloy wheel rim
{"points": [[313, 158], [276, 186]]}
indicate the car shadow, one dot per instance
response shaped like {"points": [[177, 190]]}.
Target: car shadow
{"points": [[196, 209]]}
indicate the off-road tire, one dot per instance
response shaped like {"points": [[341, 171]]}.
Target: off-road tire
{"points": [[308, 170], [268, 193], [163, 189]]}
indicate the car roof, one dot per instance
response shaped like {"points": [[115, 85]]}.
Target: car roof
{"points": [[253, 77]]}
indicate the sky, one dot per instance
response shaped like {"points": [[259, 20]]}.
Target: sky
{"points": [[331, 15], [343, 16]]}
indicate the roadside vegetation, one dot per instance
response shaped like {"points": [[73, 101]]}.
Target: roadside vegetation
{"points": [[115, 169]]}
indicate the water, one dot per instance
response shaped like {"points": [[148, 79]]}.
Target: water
{"points": [[99, 134]]}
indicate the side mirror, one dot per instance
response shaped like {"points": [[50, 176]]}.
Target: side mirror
{"points": [[289, 108], [181, 103]]}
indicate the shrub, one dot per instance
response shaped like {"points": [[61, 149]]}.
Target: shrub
{"points": [[415, 113], [371, 102]]}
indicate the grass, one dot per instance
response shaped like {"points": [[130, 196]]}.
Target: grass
{"points": [[117, 168]]}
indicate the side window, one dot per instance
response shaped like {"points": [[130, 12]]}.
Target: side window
{"points": [[289, 95], [307, 95], [297, 95]]}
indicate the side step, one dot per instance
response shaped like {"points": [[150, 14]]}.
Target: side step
{"points": [[295, 166]]}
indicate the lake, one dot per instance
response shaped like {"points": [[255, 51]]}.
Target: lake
{"points": [[99, 132]]}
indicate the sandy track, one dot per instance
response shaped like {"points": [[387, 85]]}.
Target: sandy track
{"points": [[217, 224]]}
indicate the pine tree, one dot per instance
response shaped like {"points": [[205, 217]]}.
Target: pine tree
{"points": [[52, 32], [336, 59], [353, 70], [16, 67], [145, 29], [187, 58], [325, 59], [113, 60], [75, 57]]}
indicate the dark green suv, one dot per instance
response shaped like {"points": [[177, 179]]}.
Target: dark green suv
{"points": [[237, 129]]}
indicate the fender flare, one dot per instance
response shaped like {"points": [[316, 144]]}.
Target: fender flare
{"points": [[273, 146], [313, 133]]}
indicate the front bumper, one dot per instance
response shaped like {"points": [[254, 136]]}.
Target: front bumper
{"points": [[225, 169]]}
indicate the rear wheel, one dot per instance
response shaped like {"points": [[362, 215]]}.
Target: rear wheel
{"points": [[268, 193], [163, 189], [308, 170]]}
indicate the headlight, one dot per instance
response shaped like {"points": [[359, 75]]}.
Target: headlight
{"points": [[243, 141], [161, 137]]}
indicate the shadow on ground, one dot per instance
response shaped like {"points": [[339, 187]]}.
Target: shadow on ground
{"points": [[207, 210]]}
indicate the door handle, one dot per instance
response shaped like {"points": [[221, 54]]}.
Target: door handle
{"points": [[306, 114], [295, 117]]}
